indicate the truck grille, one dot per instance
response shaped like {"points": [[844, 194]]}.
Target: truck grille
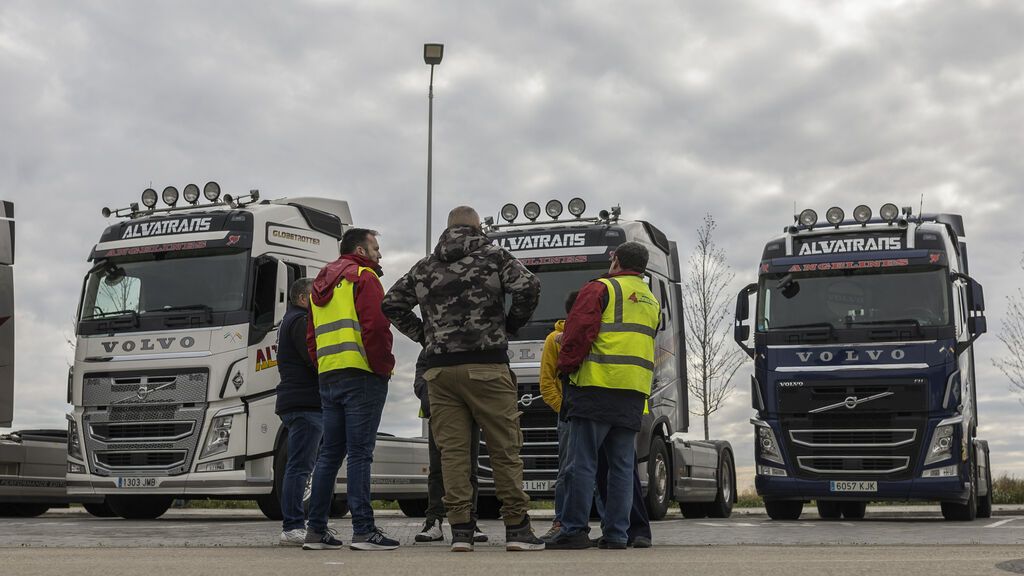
{"points": [[853, 464], [852, 438], [138, 422]]}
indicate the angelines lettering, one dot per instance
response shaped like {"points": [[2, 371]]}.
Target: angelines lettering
{"points": [[164, 227], [844, 245], [540, 241]]}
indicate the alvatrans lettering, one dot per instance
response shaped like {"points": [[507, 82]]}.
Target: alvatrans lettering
{"points": [[843, 245], [163, 227], [537, 241]]}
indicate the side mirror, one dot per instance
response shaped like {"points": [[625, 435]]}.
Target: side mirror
{"points": [[977, 296], [281, 293], [977, 325], [741, 332]]}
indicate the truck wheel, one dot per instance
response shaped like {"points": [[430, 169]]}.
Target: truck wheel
{"points": [[414, 507], [784, 509], [829, 509], [722, 506], [29, 510], [270, 504], [99, 509], [693, 510], [964, 512], [985, 502], [139, 507], [854, 510], [657, 480]]}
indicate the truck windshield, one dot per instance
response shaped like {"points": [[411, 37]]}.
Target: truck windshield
{"points": [[556, 282], [153, 283], [857, 298]]}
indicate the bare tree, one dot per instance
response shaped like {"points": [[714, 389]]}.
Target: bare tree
{"points": [[1012, 335], [711, 355]]}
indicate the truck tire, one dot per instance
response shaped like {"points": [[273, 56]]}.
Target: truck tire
{"points": [[693, 510], [985, 502], [99, 509], [658, 480], [414, 507], [854, 510], [270, 504], [29, 510], [829, 509], [722, 506], [784, 509], [958, 512], [139, 507]]}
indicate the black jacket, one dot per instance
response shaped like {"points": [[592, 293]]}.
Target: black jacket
{"points": [[299, 389]]}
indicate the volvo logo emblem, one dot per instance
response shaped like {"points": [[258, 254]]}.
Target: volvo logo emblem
{"points": [[527, 399], [851, 402], [142, 392]]}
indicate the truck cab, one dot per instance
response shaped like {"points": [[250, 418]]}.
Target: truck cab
{"points": [[864, 382]]}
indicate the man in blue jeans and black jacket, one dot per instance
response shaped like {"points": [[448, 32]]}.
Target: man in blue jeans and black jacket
{"points": [[298, 406]]}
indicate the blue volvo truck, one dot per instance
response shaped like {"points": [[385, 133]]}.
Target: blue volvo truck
{"points": [[864, 379]]}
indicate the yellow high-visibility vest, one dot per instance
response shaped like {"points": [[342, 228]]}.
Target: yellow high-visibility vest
{"points": [[622, 356], [339, 338]]}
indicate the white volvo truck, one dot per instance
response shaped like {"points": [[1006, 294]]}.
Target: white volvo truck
{"points": [[174, 379]]}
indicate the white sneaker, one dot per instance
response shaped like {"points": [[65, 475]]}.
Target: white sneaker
{"points": [[296, 537], [431, 532]]}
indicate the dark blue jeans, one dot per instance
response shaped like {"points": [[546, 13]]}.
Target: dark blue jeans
{"points": [[563, 464], [304, 431], [352, 408], [639, 521], [586, 439]]}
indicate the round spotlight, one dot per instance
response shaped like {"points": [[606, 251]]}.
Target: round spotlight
{"points": [[106, 212], [577, 206], [889, 212], [211, 191], [553, 209], [170, 195], [509, 212], [862, 214], [149, 197], [835, 215], [190, 193], [531, 210], [808, 218]]}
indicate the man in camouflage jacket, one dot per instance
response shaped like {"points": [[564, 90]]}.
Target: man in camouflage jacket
{"points": [[460, 290]]}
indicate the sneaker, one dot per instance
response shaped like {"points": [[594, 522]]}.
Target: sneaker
{"points": [[521, 538], [463, 536], [556, 527], [322, 541], [479, 536], [431, 532], [296, 537], [610, 544], [374, 540], [641, 542], [563, 541]]}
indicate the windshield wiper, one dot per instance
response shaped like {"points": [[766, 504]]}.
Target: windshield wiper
{"points": [[202, 307], [102, 314], [800, 326], [899, 322]]}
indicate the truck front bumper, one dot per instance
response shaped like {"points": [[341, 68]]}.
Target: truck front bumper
{"points": [[928, 489]]}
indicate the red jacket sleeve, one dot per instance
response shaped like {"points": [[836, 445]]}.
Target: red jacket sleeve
{"points": [[581, 327], [377, 338], [311, 337]]}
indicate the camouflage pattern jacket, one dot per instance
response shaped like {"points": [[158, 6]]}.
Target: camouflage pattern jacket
{"points": [[460, 290]]}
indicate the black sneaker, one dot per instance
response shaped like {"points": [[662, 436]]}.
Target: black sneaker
{"points": [[641, 542], [373, 541], [610, 544], [577, 541], [521, 538], [463, 537], [321, 540]]}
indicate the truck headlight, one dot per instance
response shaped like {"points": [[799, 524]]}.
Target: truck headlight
{"points": [[767, 446], [941, 446], [943, 472], [218, 437], [74, 444]]}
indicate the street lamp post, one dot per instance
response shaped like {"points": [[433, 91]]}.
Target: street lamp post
{"points": [[432, 54]]}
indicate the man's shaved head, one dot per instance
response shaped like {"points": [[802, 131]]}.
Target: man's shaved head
{"points": [[464, 216]]}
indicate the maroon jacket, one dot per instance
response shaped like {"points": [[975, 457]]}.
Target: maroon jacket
{"points": [[583, 323], [376, 329]]}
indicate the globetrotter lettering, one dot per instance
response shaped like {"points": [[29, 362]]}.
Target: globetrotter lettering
{"points": [[162, 227], [512, 243], [843, 245], [147, 344]]}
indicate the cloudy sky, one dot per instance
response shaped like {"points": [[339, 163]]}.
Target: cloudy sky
{"points": [[738, 108]]}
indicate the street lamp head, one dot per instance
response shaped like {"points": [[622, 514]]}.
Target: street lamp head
{"points": [[432, 53]]}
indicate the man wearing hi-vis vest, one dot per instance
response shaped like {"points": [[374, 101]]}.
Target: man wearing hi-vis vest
{"points": [[608, 354], [350, 339]]}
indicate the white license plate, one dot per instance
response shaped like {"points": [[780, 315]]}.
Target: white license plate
{"points": [[853, 486], [538, 485], [136, 482]]}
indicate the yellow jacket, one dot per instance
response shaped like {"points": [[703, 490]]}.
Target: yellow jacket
{"points": [[550, 385]]}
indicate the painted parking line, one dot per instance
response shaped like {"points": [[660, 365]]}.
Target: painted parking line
{"points": [[1002, 522]]}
